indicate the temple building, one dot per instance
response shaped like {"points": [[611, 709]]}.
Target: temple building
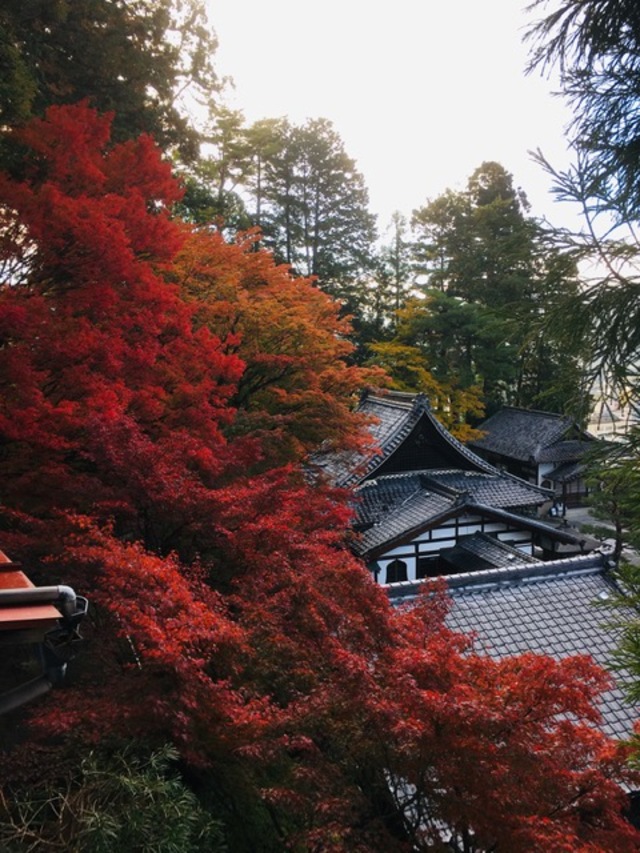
{"points": [[427, 505]]}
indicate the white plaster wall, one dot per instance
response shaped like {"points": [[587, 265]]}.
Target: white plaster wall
{"points": [[407, 552]]}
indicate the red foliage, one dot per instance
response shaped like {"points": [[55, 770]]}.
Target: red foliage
{"points": [[260, 646], [516, 739], [111, 401]]}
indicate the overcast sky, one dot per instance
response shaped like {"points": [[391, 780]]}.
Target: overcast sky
{"points": [[420, 91]]}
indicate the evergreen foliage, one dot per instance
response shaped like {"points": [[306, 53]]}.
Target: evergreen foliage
{"points": [[129, 58], [490, 278], [314, 206], [117, 798], [596, 46]]}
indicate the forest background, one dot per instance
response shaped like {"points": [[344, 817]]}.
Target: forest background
{"points": [[185, 314]]}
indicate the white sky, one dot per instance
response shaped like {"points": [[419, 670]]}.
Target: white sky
{"points": [[420, 91]]}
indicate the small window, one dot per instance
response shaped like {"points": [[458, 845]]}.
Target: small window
{"points": [[396, 571]]}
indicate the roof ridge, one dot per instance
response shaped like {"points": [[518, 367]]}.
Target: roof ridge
{"points": [[530, 521], [442, 488], [482, 580], [393, 475], [594, 563], [533, 412], [391, 398], [481, 534]]}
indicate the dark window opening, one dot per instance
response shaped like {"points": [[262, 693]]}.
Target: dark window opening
{"points": [[429, 567], [396, 571]]}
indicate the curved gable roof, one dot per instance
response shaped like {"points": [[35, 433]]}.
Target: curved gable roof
{"points": [[407, 436]]}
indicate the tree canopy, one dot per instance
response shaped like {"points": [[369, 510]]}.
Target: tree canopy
{"points": [[595, 44], [488, 277], [134, 59], [306, 712], [298, 385]]}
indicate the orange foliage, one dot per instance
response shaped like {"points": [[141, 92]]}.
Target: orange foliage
{"points": [[298, 389]]}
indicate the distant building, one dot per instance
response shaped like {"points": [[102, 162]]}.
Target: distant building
{"points": [[612, 415], [541, 447]]}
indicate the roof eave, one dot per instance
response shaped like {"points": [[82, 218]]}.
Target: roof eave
{"points": [[528, 523]]}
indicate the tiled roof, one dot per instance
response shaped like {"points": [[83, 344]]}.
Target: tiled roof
{"points": [[561, 535], [376, 498], [391, 422], [565, 451], [522, 434], [394, 506], [470, 550], [549, 608], [397, 507], [497, 489], [554, 615], [419, 475], [394, 417]]}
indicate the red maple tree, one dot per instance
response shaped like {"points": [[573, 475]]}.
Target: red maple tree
{"points": [[229, 617], [112, 400]]}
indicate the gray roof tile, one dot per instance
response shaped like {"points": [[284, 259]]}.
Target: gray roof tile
{"points": [[490, 550], [522, 434], [554, 614], [565, 451], [393, 506], [497, 489], [423, 511], [393, 417]]}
